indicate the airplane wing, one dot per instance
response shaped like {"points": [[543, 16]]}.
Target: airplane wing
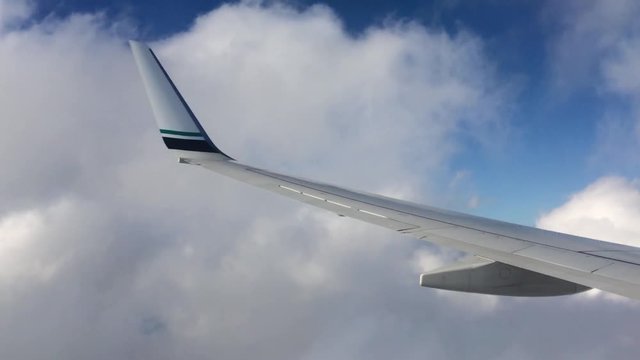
{"points": [[508, 259]]}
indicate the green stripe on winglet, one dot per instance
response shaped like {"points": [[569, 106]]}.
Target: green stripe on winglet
{"points": [[181, 133]]}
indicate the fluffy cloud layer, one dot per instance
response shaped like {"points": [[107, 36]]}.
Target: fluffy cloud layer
{"points": [[608, 209], [109, 249]]}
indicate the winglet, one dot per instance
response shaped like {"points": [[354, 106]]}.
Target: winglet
{"points": [[180, 129]]}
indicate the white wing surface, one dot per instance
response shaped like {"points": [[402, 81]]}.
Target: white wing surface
{"points": [[508, 259]]}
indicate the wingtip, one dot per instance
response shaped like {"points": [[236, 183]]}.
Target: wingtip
{"points": [[137, 44], [180, 129]]}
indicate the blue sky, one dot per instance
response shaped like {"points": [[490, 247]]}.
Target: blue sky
{"points": [[549, 153], [523, 111]]}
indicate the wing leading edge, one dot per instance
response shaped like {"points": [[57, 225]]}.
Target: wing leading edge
{"points": [[520, 260]]}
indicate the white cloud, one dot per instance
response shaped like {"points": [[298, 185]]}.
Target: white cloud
{"points": [[608, 209], [588, 34], [596, 46], [621, 71], [14, 12], [339, 98], [111, 249], [17, 242]]}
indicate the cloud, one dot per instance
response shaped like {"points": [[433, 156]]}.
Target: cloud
{"points": [[621, 70], [586, 35], [13, 12], [314, 81], [596, 47], [110, 248], [608, 209]]}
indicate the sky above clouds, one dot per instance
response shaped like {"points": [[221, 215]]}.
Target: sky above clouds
{"points": [[110, 249]]}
